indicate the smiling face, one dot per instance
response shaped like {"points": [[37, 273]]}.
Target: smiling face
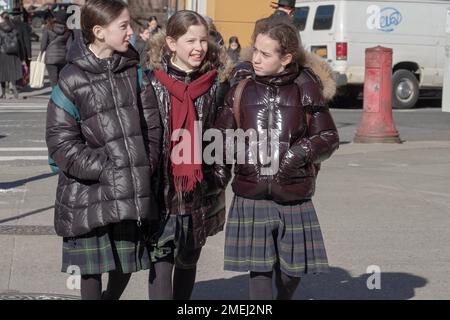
{"points": [[190, 49], [115, 35], [266, 56]]}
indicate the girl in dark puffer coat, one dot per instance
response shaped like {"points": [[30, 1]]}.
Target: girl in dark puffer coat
{"points": [[10, 64], [104, 136], [272, 224]]}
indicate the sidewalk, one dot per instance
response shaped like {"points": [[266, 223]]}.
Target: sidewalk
{"points": [[379, 204]]}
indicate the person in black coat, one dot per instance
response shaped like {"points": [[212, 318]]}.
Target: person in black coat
{"points": [[284, 13], [234, 49], [25, 31], [10, 48], [153, 25], [284, 9], [54, 42], [141, 46]]}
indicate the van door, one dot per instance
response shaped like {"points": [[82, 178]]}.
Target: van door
{"points": [[320, 32]]}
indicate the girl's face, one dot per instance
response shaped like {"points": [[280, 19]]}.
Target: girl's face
{"points": [[266, 57], [116, 34], [190, 49], [152, 25], [233, 46]]}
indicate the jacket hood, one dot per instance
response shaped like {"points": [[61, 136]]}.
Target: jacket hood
{"points": [[81, 56], [318, 65], [59, 29], [158, 57]]}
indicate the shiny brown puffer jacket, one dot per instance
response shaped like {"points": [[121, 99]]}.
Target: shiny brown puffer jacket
{"points": [[276, 107], [105, 139]]}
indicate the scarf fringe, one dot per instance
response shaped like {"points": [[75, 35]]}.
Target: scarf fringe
{"points": [[188, 183]]}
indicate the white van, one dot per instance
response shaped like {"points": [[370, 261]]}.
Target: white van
{"points": [[340, 31]]}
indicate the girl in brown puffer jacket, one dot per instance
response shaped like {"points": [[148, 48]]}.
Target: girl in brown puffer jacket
{"points": [[104, 136], [272, 224]]}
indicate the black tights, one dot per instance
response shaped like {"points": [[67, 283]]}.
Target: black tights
{"points": [[260, 285], [160, 282], [91, 286]]}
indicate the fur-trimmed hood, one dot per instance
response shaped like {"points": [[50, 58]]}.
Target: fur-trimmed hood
{"points": [[158, 54], [319, 66]]}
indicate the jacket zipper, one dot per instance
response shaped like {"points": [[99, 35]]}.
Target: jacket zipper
{"points": [[126, 145], [269, 146]]}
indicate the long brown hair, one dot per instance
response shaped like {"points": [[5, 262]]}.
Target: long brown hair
{"points": [[285, 34], [99, 13]]}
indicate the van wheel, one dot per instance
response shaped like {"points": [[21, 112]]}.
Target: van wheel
{"points": [[405, 89]]}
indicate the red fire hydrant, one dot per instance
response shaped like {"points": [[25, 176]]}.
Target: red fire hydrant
{"points": [[377, 124]]}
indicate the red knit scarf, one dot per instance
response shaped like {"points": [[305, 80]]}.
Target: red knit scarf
{"points": [[183, 116]]}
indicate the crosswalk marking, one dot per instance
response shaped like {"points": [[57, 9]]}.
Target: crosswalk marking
{"points": [[13, 158], [25, 149]]}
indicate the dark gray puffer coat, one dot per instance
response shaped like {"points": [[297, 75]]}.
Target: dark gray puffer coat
{"points": [[54, 42], [105, 139]]}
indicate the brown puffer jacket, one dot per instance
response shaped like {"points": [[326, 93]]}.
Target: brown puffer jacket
{"points": [[105, 139], [281, 103], [206, 203]]}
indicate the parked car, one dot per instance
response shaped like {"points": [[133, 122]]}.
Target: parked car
{"points": [[341, 30]]}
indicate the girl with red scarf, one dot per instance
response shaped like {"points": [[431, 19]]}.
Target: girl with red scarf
{"points": [[186, 68]]}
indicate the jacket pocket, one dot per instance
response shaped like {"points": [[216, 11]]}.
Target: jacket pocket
{"points": [[295, 175], [90, 138], [246, 170]]}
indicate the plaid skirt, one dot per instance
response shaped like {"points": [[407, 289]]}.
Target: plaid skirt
{"points": [[175, 237], [261, 234], [118, 246]]}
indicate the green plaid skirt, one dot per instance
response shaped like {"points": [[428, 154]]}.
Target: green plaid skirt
{"points": [[260, 234], [119, 246], [175, 237]]}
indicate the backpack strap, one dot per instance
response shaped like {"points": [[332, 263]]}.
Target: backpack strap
{"points": [[237, 101], [140, 79], [61, 101], [140, 74]]}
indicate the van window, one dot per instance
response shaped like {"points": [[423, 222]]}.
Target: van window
{"points": [[324, 17], [300, 17]]}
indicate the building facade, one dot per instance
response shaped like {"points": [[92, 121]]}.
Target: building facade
{"points": [[235, 17]]}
